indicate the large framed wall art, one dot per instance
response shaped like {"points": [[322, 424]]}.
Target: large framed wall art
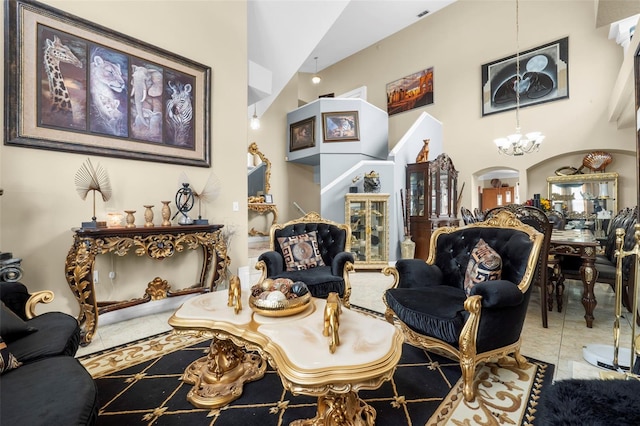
{"points": [[75, 86], [544, 77], [412, 91]]}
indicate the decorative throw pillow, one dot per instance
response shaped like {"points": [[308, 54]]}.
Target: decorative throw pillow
{"points": [[301, 251], [484, 265], [11, 325], [7, 360]]}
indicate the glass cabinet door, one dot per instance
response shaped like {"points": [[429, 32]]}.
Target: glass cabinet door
{"points": [[378, 231], [416, 194], [368, 217], [358, 220]]}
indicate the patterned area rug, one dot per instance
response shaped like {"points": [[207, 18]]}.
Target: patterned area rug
{"points": [[139, 384]]}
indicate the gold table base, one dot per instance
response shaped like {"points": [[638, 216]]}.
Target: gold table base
{"points": [[219, 377], [340, 409]]}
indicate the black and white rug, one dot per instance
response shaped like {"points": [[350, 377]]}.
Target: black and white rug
{"points": [[139, 384]]}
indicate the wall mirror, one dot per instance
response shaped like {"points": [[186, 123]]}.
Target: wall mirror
{"points": [[259, 174], [586, 200]]}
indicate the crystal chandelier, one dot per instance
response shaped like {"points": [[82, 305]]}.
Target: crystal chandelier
{"points": [[518, 144]]}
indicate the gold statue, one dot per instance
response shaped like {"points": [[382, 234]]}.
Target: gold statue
{"points": [[234, 294], [332, 312], [423, 155]]}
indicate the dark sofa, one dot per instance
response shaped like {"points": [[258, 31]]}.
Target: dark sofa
{"points": [[50, 386]]}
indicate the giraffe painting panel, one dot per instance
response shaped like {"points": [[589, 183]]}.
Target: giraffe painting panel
{"points": [[63, 79]]}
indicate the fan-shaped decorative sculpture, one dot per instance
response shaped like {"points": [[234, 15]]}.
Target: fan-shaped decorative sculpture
{"points": [[597, 161], [95, 179]]}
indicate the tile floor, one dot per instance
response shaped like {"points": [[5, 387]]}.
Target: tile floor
{"points": [[561, 343]]}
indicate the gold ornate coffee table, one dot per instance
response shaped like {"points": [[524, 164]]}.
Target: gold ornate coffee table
{"points": [[296, 348]]}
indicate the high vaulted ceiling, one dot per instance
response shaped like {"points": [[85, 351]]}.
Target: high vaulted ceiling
{"points": [[284, 36]]}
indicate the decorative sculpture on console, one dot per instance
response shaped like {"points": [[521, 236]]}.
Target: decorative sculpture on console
{"points": [[332, 311], [235, 293], [93, 179]]}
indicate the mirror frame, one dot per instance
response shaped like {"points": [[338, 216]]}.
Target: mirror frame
{"points": [[253, 149], [587, 178]]}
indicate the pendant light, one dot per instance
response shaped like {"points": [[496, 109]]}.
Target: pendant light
{"points": [[517, 144], [255, 121], [316, 78]]}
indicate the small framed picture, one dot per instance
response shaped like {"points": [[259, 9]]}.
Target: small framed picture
{"points": [[302, 134], [340, 126], [268, 198]]}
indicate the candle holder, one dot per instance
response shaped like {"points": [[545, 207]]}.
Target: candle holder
{"points": [[148, 216], [131, 220], [166, 213]]}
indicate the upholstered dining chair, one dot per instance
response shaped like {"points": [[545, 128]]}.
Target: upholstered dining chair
{"points": [[313, 250], [539, 220], [467, 216], [468, 300], [557, 219]]}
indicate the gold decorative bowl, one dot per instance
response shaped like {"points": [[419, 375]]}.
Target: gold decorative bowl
{"points": [[279, 297], [280, 308]]}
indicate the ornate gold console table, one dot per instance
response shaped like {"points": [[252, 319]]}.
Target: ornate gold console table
{"points": [[263, 208], [156, 243]]}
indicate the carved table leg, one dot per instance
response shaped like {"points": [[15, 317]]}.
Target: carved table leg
{"points": [[79, 275], [219, 377], [560, 292], [340, 409], [589, 275]]}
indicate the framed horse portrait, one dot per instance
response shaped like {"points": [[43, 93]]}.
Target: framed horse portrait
{"points": [[75, 86]]}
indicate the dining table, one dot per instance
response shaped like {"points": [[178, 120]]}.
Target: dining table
{"points": [[580, 243]]}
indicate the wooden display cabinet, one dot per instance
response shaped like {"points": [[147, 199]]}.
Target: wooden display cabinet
{"points": [[431, 200], [368, 216]]}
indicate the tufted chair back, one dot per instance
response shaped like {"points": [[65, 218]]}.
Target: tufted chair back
{"points": [[453, 250], [332, 237]]}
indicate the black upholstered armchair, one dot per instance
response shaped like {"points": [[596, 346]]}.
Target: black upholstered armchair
{"points": [[312, 250], [468, 301]]}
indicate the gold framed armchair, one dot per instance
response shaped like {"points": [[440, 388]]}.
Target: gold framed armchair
{"points": [[458, 303], [313, 250]]}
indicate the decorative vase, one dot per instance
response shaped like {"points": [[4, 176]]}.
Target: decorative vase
{"points": [[407, 248], [166, 213], [148, 216], [131, 220]]}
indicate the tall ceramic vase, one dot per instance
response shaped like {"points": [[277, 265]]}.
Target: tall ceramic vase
{"points": [[407, 248]]}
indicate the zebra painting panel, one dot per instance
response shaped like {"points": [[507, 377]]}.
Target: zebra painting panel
{"points": [[179, 112]]}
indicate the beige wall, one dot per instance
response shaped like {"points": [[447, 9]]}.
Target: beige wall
{"points": [[40, 204], [456, 41]]}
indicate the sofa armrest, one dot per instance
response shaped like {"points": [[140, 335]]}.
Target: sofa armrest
{"points": [[414, 273], [273, 261], [339, 262], [498, 294], [44, 296]]}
